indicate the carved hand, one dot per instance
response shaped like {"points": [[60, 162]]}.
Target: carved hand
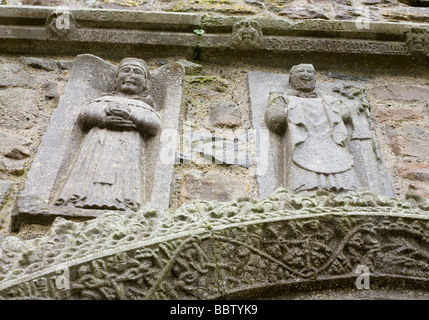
{"points": [[118, 123], [275, 116], [118, 112]]}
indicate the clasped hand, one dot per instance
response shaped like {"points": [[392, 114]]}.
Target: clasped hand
{"points": [[118, 119]]}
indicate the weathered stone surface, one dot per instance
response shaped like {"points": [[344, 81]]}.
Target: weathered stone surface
{"points": [[225, 113], [414, 171], [18, 108], [303, 13], [46, 64], [15, 167], [420, 188], [231, 7], [396, 92], [12, 75], [213, 82], [407, 14], [14, 146], [410, 141], [50, 90], [341, 76], [217, 149], [4, 190], [191, 68], [44, 2], [212, 186], [416, 3], [398, 114]]}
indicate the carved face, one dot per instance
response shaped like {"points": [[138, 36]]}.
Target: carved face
{"points": [[303, 78], [418, 40], [247, 33], [131, 80]]}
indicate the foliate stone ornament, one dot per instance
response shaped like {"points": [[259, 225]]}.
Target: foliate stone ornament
{"points": [[61, 23], [246, 34], [209, 250], [417, 40]]}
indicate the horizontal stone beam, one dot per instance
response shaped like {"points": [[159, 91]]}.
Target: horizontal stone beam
{"points": [[67, 30]]}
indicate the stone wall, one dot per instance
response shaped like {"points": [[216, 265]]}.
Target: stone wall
{"points": [[215, 115], [215, 104], [374, 10]]}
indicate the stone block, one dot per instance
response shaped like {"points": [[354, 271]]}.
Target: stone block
{"points": [[421, 188], [399, 114], [225, 113], [191, 68], [14, 146], [5, 186], [396, 92], [303, 13], [15, 167], [18, 108], [409, 141], [212, 186], [212, 82], [12, 75], [414, 171], [50, 90], [46, 64]]}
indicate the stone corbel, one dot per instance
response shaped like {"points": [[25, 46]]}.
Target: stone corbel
{"points": [[61, 24], [417, 40], [246, 34]]}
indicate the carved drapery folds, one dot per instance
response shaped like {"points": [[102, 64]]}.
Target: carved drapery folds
{"points": [[107, 172], [320, 137], [102, 150]]}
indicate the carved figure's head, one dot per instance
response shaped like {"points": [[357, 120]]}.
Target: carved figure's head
{"points": [[303, 77], [246, 34], [132, 77], [418, 40]]}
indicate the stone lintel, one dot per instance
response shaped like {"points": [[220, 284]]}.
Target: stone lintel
{"points": [[45, 27]]}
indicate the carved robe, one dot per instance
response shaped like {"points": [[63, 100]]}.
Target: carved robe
{"points": [[108, 170], [316, 156]]}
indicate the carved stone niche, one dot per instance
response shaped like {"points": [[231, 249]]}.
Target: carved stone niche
{"points": [[109, 146], [314, 136]]}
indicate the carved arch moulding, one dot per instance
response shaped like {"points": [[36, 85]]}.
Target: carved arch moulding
{"points": [[281, 246]]}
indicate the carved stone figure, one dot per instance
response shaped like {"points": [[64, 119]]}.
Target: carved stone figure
{"points": [[316, 156], [109, 146], [417, 40], [106, 172], [246, 34]]}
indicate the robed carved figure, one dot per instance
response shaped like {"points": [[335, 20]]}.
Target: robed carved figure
{"points": [[106, 173], [315, 135]]}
